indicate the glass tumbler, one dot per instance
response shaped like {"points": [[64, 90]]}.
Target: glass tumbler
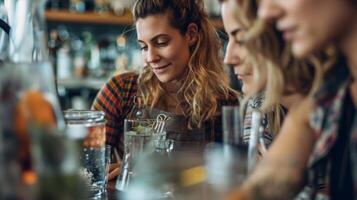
{"points": [[232, 125], [138, 138], [87, 127]]}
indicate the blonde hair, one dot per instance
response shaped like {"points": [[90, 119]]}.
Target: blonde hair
{"points": [[268, 49], [205, 82]]}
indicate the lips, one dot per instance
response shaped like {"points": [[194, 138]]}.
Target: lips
{"points": [[242, 76], [160, 69], [289, 34], [288, 31]]}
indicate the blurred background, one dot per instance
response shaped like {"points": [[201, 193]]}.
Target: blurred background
{"points": [[91, 40]]}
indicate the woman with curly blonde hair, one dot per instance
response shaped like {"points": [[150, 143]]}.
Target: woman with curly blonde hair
{"points": [[183, 77]]}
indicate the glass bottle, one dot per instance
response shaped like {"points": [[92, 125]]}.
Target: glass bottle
{"points": [[4, 33], [37, 152]]}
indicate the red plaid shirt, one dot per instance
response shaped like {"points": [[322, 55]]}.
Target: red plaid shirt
{"points": [[116, 100], [325, 121]]}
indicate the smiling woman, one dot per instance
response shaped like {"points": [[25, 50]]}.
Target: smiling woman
{"points": [[183, 75]]}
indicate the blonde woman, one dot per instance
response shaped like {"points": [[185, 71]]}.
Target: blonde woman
{"points": [[183, 77], [321, 133], [263, 64]]}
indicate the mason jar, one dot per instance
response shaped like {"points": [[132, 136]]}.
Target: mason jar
{"points": [[87, 127]]}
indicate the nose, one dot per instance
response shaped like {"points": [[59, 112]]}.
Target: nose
{"points": [[269, 10], [231, 56], [152, 55]]}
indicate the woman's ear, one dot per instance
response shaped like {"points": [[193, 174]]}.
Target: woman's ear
{"points": [[192, 33]]}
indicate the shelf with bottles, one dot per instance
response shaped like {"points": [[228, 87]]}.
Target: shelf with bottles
{"points": [[104, 18]]}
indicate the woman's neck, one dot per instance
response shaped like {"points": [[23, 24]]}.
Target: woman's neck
{"points": [[171, 87], [290, 101], [170, 101]]}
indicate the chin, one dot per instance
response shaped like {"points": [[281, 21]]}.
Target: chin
{"points": [[164, 79], [302, 49], [245, 90]]}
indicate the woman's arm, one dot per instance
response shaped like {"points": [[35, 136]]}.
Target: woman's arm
{"points": [[280, 175]]}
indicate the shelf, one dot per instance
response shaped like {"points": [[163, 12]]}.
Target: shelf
{"points": [[76, 83], [95, 18], [89, 17]]}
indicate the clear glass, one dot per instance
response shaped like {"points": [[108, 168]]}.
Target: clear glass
{"points": [[87, 127], [4, 33], [31, 117], [138, 135], [28, 100], [232, 125], [57, 160], [108, 160], [161, 177], [141, 136], [28, 30], [226, 168], [254, 138]]}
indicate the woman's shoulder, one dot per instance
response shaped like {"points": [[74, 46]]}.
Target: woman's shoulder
{"points": [[125, 77], [122, 81], [121, 85]]}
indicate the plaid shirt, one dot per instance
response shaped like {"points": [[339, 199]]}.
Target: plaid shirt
{"points": [[117, 100], [324, 121]]}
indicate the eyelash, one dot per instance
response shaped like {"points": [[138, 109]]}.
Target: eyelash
{"points": [[240, 42], [157, 44], [160, 44]]}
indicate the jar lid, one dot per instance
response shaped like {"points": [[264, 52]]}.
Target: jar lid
{"points": [[87, 117]]}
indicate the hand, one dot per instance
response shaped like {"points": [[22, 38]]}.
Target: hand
{"points": [[114, 170]]}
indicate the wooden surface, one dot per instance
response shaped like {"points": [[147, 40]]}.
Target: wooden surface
{"points": [[89, 17], [95, 18]]}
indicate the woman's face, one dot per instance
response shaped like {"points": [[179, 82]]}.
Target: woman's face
{"points": [[236, 53], [163, 47], [308, 24]]}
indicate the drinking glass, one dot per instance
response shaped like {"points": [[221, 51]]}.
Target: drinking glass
{"points": [[141, 136], [108, 160], [226, 168], [232, 125], [256, 141], [160, 177], [138, 135], [87, 127]]}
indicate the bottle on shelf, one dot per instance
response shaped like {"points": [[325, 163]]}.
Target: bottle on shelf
{"points": [[77, 6]]}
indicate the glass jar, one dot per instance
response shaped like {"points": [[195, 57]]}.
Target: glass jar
{"points": [[35, 151], [87, 128]]}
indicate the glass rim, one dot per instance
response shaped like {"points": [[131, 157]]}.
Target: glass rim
{"points": [[84, 116], [140, 120]]}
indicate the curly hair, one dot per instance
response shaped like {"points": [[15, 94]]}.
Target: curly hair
{"points": [[205, 81]]}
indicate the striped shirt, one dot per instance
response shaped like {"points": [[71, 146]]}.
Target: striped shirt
{"points": [[254, 103]]}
